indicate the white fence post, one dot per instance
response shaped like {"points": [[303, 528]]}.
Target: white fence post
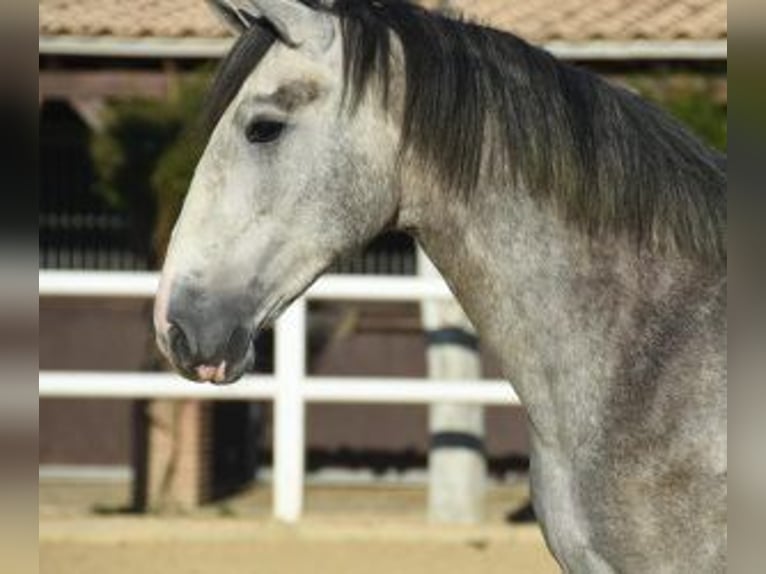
{"points": [[456, 460], [289, 413]]}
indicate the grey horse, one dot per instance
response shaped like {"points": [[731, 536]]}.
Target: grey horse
{"points": [[581, 229]]}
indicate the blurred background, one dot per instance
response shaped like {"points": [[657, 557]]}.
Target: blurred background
{"points": [[121, 85]]}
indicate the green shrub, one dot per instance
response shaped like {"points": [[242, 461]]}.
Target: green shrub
{"points": [[703, 116], [691, 98], [145, 158]]}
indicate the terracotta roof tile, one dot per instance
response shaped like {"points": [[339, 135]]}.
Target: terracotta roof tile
{"points": [[535, 20], [128, 18], [581, 20]]}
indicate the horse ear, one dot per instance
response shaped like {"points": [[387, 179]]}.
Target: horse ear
{"points": [[297, 24], [236, 18]]}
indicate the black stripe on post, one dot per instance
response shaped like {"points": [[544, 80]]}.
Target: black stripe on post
{"points": [[462, 440], [453, 336]]}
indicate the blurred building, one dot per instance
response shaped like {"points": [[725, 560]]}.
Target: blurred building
{"points": [[96, 51]]}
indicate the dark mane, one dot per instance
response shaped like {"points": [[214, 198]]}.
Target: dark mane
{"points": [[477, 98]]}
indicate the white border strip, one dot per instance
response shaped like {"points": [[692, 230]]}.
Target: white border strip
{"points": [[203, 48]]}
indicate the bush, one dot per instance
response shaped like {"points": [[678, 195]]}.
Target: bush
{"points": [[145, 159], [703, 116], [690, 97]]}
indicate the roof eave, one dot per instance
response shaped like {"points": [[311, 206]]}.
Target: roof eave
{"points": [[640, 50], [204, 48], [148, 47]]}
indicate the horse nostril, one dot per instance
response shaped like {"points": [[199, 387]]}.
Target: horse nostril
{"points": [[238, 343], [178, 342]]}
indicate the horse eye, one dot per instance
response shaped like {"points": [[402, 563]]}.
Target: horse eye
{"points": [[264, 131]]}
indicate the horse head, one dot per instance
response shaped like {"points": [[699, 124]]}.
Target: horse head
{"points": [[292, 176]]}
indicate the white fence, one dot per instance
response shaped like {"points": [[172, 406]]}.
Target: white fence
{"points": [[289, 387]]}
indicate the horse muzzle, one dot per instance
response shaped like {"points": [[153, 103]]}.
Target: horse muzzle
{"points": [[205, 335]]}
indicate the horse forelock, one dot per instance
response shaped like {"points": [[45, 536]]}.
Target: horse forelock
{"points": [[244, 56]]}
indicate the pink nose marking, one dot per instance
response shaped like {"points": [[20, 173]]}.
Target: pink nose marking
{"points": [[212, 374]]}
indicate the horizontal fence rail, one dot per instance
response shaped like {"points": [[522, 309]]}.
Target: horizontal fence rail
{"points": [[290, 387], [128, 284], [351, 390]]}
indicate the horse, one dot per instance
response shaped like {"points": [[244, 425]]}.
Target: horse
{"points": [[582, 230]]}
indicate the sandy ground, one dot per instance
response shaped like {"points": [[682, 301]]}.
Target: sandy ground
{"points": [[346, 530]]}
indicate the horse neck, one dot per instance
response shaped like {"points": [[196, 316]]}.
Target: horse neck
{"points": [[554, 306]]}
